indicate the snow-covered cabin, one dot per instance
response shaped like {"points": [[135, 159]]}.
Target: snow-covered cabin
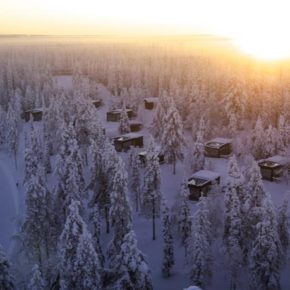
{"points": [[97, 103], [115, 115], [272, 167], [200, 183], [36, 114], [150, 103], [124, 142], [142, 157], [135, 126], [218, 147]]}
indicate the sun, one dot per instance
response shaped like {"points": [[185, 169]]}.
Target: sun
{"points": [[265, 47]]}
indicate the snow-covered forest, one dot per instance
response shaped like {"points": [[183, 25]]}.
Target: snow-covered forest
{"points": [[82, 209]]}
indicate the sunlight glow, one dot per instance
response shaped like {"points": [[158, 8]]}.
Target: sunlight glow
{"points": [[258, 27]]}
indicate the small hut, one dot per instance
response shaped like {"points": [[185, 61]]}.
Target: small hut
{"points": [[115, 115], [200, 183], [142, 157], [135, 126], [124, 142], [150, 103], [272, 168], [97, 103], [218, 147], [36, 114]]}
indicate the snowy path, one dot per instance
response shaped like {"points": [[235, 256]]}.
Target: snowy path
{"points": [[8, 202]]}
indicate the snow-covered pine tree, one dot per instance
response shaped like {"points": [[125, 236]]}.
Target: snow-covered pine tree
{"points": [[200, 246], [135, 183], [37, 229], [198, 158], [67, 247], [265, 257], [3, 126], [235, 99], [257, 139], [172, 138], [233, 235], [168, 249], [157, 122], [87, 265], [151, 187], [96, 234], [36, 281], [12, 131], [283, 224], [184, 216], [6, 279], [131, 267], [124, 126], [120, 210]]}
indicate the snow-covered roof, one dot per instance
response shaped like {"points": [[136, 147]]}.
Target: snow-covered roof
{"points": [[198, 181], [35, 110], [152, 100], [206, 174], [218, 142], [135, 122], [221, 140], [129, 136], [117, 111], [275, 161]]}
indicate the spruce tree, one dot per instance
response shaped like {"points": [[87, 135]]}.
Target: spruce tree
{"points": [[131, 266], [200, 246], [172, 138], [184, 217], [6, 279], [283, 224], [266, 253], [36, 281], [67, 247], [168, 250], [151, 187], [87, 265], [124, 126]]}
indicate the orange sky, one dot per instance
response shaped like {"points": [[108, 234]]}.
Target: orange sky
{"points": [[254, 24]]}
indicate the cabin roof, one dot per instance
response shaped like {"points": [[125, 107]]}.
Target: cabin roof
{"points": [[206, 174], [152, 100], [218, 142], [275, 161], [118, 111], [35, 110], [129, 136]]}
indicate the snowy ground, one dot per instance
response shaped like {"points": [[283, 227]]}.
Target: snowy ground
{"points": [[12, 196]]}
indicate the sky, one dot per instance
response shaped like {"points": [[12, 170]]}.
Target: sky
{"points": [[250, 22]]}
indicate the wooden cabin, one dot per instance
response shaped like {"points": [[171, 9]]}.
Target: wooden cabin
{"points": [[142, 157], [200, 183], [62, 72], [150, 103], [135, 126], [218, 147], [97, 103], [35, 114], [124, 142], [272, 168], [115, 115]]}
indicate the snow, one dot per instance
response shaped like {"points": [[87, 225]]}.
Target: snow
{"points": [[152, 100], [8, 201], [218, 142], [170, 186], [281, 160], [206, 174]]}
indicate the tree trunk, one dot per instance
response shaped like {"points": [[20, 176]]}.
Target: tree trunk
{"points": [[153, 220], [107, 220], [174, 164]]}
